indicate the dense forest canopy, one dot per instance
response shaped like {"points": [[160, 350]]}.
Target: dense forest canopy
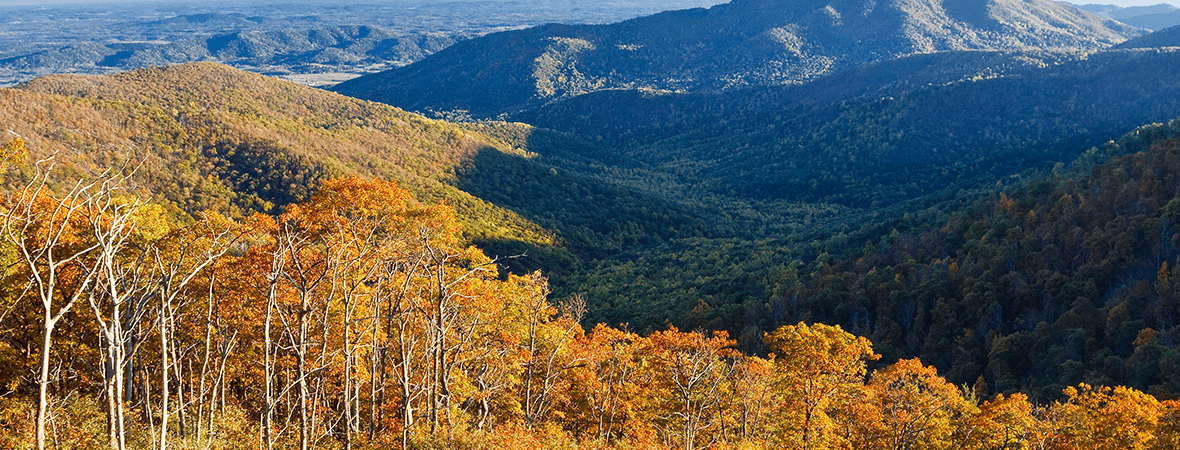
{"points": [[360, 319], [209, 137]]}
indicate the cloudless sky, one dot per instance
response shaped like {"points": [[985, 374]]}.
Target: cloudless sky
{"points": [[1123, 3]]}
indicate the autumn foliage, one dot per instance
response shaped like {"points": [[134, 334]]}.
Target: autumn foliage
{"points": [[360, 319]]}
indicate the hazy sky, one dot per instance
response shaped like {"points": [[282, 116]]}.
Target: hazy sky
{"points": [[1123, 3]]}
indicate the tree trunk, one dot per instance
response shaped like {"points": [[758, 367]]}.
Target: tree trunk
{"points": [[163, 378], [43, 379], [268, 375], [301, 361], [348, 388], [120, 416]]}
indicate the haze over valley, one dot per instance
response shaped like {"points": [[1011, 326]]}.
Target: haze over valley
{"points": [[277, 39]]}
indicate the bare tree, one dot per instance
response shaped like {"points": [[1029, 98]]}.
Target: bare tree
{"points": [[543, 365], [120, 278], [451, 323], [353, 265], [178, 261], [404, 326], [49, 236], [696, 368]]}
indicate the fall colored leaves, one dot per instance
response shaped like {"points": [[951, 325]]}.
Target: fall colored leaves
{"points": [[359, 318]]}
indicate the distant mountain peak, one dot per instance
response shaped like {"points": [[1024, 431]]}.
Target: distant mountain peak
{"points": [[742, 43]]}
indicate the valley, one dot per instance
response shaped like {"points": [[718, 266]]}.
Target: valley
{"points": [[294, 39], [978, 199]]}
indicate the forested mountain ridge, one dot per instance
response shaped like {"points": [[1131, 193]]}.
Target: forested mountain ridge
{"points": [[1155, 17], [1168, 37], [214, 138], [887, 132], [743, 43], [1067, 278]]}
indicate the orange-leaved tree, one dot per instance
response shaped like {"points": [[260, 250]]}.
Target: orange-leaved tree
{"points": [[56, 239], [1167, 431], [815, 364], [1100, 418], [1004, 423], [547, 335], [375, 310], [918, 408], [754, 400], [689, 370], [606, 393]]}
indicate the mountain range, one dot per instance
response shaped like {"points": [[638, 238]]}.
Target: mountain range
{"points": [[733, 45], [312, 43], [1155, 17], [883, 133]]}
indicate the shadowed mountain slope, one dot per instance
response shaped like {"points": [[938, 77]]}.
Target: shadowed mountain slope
{"points": [[1154, 21], [742, 43], [887, 132], [1168, 37]]}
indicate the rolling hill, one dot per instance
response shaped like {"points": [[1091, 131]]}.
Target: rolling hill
{"points": [[1168, 37], [338, 48], [214, 138]]}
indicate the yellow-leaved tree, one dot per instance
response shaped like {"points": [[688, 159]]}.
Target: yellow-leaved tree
{"points": [[815, 364], [918, 408], [689, 370], [12, 153], [1101, 418], [1004, 423]]}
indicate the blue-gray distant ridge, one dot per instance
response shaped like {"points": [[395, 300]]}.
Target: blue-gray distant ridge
{"points": [[733, 45]]}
